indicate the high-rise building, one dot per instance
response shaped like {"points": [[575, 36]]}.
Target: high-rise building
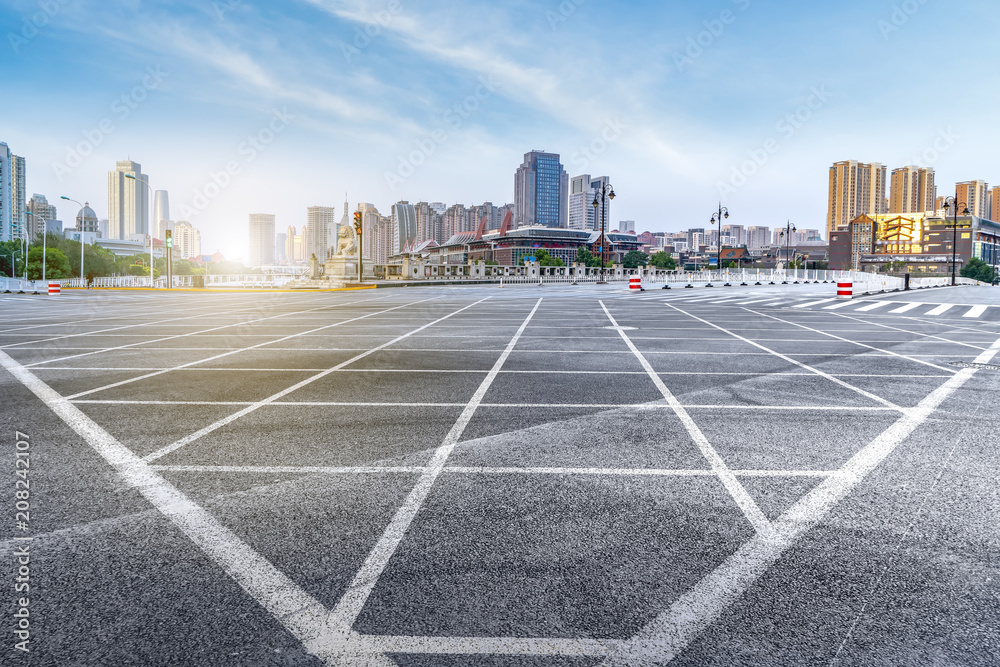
{"points": [[995, 204], [404, 226], [758, 237], [376, 239], [128, 201], [975, 194], [319, 221], [187, 240], [161, 213], [13, 207], [856, 188], [736, 234], [541, 191], [583, 190], [912, 190], [627, 227], [430, 223], [261, 239], [41, 211]]}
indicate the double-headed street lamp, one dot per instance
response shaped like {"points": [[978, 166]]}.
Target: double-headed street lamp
{"points": [[717, 217], [952, 203], [606, 192], [83, 218], [787, 234]]}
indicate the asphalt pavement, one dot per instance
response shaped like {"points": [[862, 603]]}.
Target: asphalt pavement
{"points": [[519, 476]]}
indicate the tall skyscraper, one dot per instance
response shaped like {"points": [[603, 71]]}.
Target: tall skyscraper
{"points": [[41, 210], [976, 196], [541, 191], [13, 208], [128, 201], [995, 204], [320, 220], [404, 226], [912, 190], [187, 240], [736, 233], [856, 188], [261, 239], [161, 213], [627, 226]]}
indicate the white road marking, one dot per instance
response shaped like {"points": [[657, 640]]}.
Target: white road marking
{"points": [[975, 311], [295, 609], [907, 307], [916, 333], [872, 306], [349, 606], [845, 304], [163, 451], [669, 634], [831, 378], [743, 499], [940, 310], [813, 303]]}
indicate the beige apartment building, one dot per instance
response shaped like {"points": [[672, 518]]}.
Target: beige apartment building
{"points": [[975, 194], [912, 190], [856, 188]]}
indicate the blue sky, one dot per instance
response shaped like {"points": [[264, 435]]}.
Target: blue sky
{"points": [[239, 107]]}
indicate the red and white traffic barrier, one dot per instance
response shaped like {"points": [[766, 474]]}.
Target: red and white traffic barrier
{"points": [[635, 282], [53, 288], [845, 290]]}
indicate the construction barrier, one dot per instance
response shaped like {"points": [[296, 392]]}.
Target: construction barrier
{"points": [[53, 288], [845, 290], [635, 282]]}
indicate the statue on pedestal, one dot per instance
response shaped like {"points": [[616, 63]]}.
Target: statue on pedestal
{"points": [[347, 242]]}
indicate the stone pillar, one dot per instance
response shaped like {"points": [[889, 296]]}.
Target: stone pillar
{"points": [[313, 267]]}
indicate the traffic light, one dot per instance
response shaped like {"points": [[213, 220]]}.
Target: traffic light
{"points": [[357, 219], [170, 239]]}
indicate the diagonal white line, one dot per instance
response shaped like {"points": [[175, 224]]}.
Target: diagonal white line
{"points": [[184, 335], [915, 333], [864, 345], [298, 611], [146, 376], [909, 306], [669, 634], [163, 451], [739, 493], [812, 303], [940, 310], [350, 605], [866, 394]]}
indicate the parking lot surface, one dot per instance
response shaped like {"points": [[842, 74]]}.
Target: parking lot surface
{"points": [[531, 476]]}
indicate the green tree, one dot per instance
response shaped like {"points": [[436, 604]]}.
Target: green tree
{"points": [[634, 259], [663, 260], [977, 269], [589, 259], [56, 264], [11, 260], [545, 259]]}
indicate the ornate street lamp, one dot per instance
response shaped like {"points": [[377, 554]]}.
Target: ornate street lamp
{"points": [[606, 192], [952, 203], [717, 217], [787, 234]]}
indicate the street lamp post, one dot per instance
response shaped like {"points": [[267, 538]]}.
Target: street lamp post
{"points": [[82, 218], [606, 192], [787, 234], [166, 255], [44, 234], [718, 216], [952, 203]]}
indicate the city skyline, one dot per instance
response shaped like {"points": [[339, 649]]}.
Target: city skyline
{"points": [[391, 104]]}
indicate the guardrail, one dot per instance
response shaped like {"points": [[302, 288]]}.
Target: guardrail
{"points": [[20, 286]]}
